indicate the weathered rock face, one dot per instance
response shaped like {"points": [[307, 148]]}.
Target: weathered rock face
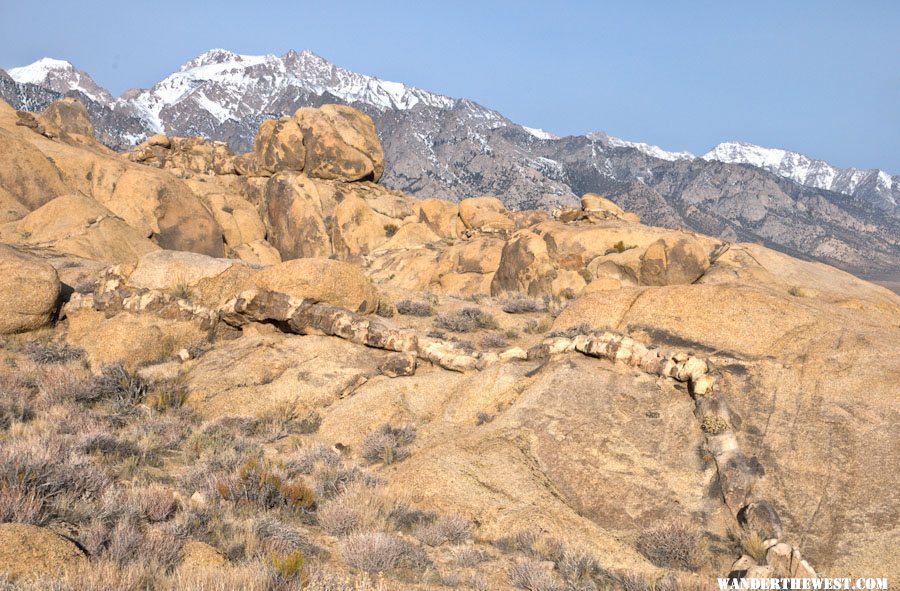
{"points": [[29, 291], [279, 146], [30, 553], [525, 266], [321, 280], [237, 217], [341, 144], [786, 361], [185, 155], [79, 226], [486, 214], [332, 142], [663, 343], [68, 117], [295, 210], [170, 270], [132, 339], [153, 202], [26, 175], [673, 262]]}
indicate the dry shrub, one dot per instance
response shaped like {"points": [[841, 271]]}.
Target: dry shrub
{"points": [[275, 537], [100, 575], [15, 403], [22, 506], [309, 458], [388, 445], [116, 384], [450, 528], [532, 576], [751, 543], [281, 421], [252, 576], [154, 503], [53, 353], [107, 445], [672, 545], [357, 509], [469, 556], [713, 425], [381, 552], [581, 570], [532, 544], [60, 385], [333, 480], [573, 331], [168, 395], [536, 327], [466, 320], [262, 485], [493, 341], [40, 473], [406, 518], [411, 308], [521, 304]]}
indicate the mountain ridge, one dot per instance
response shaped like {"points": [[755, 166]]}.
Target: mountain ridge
{"points": [[453, 147]]}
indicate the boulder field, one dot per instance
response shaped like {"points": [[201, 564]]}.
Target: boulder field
{"points": [[573, 373]]}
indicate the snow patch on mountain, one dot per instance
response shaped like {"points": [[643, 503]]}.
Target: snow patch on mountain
{"points": [[260, 79], [36, 73], [649, 149], [807, 171], [60, 76], [540, 133]]}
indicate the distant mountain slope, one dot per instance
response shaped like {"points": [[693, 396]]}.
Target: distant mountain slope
{"points": [[874, 185], [455, 148]]}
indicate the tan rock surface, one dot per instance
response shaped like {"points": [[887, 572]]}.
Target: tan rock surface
{"points": [[173, 270], [28, 552], [131, 339], [321, 280], [279, 146], [26, 174], [485, 213], [295, 210], [79, 226], [29, 291], [341, 143]]}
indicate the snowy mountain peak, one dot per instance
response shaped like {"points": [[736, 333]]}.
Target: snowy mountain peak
{"points": [[808, 171], [37, 72], [649, 149], [227, 85], [540, 134], [60, 76], [218, 57]]}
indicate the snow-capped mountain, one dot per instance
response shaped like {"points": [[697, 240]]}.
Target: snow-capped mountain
{"points": [[648, 149], [231, 86], [436, 145], [807, 171], [59, 76]]}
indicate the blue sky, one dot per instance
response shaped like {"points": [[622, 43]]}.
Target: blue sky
{"points": [[819, 77]]}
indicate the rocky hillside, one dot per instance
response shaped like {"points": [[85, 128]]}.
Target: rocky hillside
{"points": [[269, 370], [454, 148]]}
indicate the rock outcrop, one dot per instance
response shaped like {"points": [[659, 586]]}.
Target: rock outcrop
{"points": [[29, 291], [583, 375], [29, 553]]}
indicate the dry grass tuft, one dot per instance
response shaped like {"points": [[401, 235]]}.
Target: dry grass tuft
{"points": [[673, 545], [411, 308], [466, 320], [388, 445]]}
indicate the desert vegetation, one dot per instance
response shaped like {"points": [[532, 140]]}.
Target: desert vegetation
{"points": [[158, 498]]}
